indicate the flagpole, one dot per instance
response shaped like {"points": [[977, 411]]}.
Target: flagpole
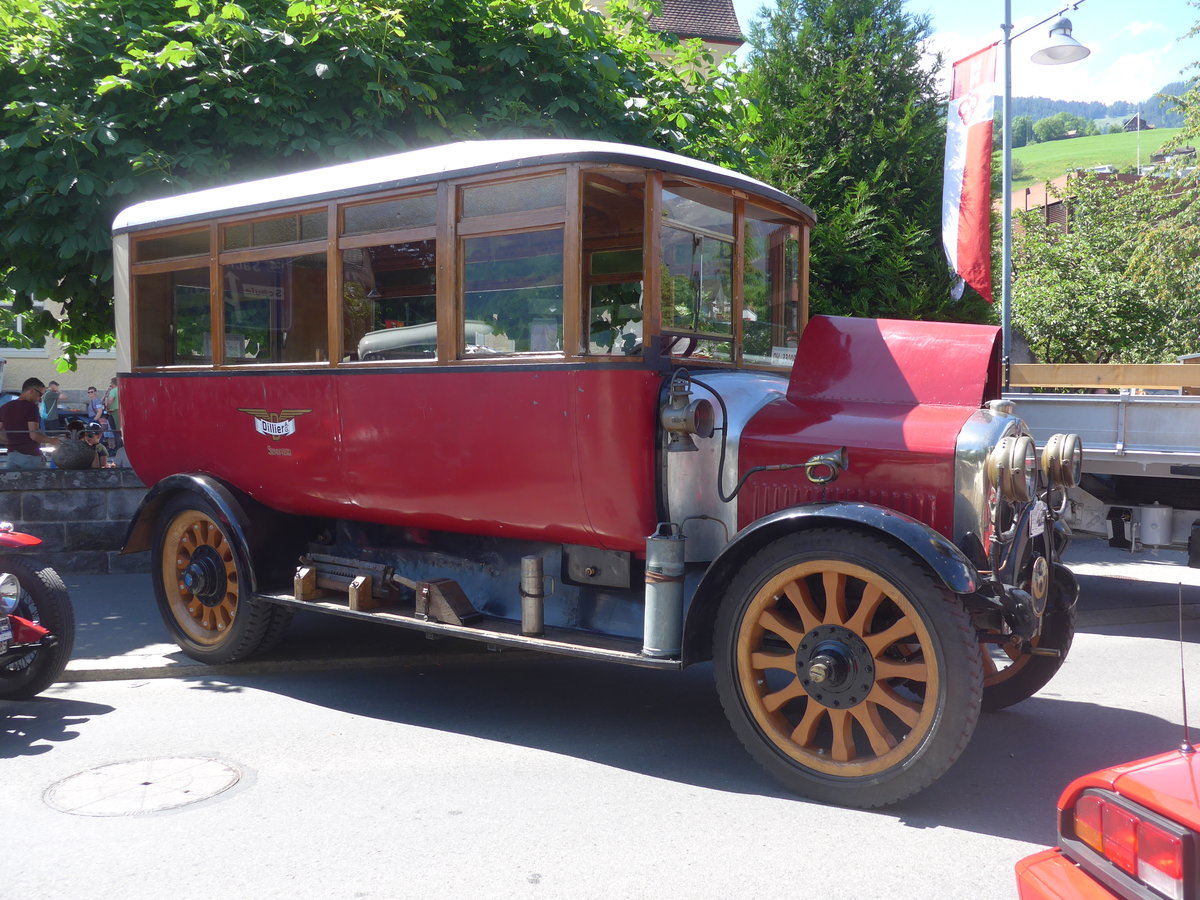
{"points": [[1006, 199], [1074, 51]]}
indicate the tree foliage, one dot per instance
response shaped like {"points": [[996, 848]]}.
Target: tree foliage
{"points": [[853, 124], [1186, 97], [108, 102], [1122, 285], [1059, 125]]}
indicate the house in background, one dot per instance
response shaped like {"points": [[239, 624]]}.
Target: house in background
{"points": [[714, 22], [1050, 198], [1136, 123], [95, 368]]}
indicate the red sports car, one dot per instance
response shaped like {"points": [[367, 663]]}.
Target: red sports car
{"points": [[1127, 831]]}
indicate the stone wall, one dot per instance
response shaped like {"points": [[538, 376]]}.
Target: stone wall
{"points": [[80, 515]]}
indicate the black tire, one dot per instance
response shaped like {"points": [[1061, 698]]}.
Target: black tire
{"points": [[901, 684], [45, 601], [215, 619], [1010, 677]]}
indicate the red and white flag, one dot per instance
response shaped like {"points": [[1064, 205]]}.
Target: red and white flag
{"points": [[966, 191]]}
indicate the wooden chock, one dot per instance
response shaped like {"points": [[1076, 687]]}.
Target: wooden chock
{"points": [[305, 584], [361, 595]]}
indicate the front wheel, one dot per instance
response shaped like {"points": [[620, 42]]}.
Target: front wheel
{"points": [[850, 674], [44, 601], [202, 584], [1009, 675]]}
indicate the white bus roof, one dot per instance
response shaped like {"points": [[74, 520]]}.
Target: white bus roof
{"points": [[430, 164]]}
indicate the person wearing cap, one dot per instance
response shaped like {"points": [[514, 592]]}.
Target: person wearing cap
{"points": [[93, 434], [20, 420]]}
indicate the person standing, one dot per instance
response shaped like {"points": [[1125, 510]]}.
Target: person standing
{"points": [[95, 405], [112, 405], [49, 407], [21, 423]]}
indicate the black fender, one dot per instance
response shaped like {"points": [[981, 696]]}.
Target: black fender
{"points": [[943, 558], [230, 505]]}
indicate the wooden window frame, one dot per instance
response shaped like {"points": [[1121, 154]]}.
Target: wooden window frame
{"points": [[448, 230]]}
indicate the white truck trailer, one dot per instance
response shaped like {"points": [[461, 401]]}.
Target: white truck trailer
{"points": [[1141, 483]]}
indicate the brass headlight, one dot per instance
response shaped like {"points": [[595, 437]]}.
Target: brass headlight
{"points": [[1062, 460], [1013, 467]]}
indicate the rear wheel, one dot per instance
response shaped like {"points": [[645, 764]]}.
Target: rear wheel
{"points": [[845, 669], [44, 601], [202, 584]]}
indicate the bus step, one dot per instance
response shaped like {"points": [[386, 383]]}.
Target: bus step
{"points": [[501, 633]]}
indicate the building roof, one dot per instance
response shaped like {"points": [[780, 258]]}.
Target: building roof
{"points": [[709, 20]]}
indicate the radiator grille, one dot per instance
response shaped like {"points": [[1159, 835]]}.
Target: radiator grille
{"points": [[766, 497]]}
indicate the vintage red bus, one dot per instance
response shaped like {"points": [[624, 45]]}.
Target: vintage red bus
{"points": [[563, 395]]}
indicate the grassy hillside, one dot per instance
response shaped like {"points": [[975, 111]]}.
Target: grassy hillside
{"points": [[1049, 160]]}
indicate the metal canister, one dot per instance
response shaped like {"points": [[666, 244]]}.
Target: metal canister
{"points": [[533, 596], [663, 632]]}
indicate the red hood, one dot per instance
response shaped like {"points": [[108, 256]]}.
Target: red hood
{"points": [[892, 361]]}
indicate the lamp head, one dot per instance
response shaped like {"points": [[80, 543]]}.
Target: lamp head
{"points": [[1062, 47]]}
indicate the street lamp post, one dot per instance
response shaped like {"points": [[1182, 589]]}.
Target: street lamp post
{"points": [[1063, 48]]}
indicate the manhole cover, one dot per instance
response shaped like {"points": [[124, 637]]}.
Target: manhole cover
{"points": [[142, 786]]}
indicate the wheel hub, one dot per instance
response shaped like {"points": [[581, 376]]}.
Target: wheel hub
{"points": [[205, 576], [835, 666]]}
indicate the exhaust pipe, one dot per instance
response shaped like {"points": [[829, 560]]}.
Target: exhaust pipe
{"points": [[663, 631]]}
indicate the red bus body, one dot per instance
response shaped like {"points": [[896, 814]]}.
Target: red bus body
{"points": [[564, 395]]}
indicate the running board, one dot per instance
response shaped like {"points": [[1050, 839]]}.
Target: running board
{"points": [[499, 632]]}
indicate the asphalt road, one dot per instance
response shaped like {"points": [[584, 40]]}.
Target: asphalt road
{"points": [[367, 762]]}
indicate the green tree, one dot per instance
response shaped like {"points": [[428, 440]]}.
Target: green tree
{"points": [[108, 102], [1122, 285], [1058, 125], [1187, 103], [853, 124], [1022, 131]]}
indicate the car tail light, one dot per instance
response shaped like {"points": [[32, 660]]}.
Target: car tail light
{"points": [[1146, 847], [1160, 860]]}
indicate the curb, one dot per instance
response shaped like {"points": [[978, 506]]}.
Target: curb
{"points": [[121, 669]]}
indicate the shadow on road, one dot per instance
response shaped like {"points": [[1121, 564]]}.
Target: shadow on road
{"points": [[670, 726], [33, 727]]}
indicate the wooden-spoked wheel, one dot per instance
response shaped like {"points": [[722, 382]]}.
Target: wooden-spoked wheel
{"points": [[201, 577], [203, 585], [846, 670]]}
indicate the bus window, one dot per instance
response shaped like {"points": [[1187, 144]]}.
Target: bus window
{"points": [[771, 291], [615, 301], [389, 301], [697, 238], [513, 287], [512, 266], [510, 197], [188, 243], [280, 230], [613, 233], [389, 279], [275, 310], [174, 318], [400, 213]]}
